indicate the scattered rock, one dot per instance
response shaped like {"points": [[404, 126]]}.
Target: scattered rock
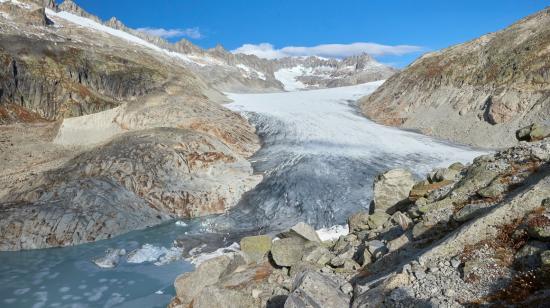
{"points": [[341, 258], [455, 262], [359, 222], [401, 220], [289, 251], [539, 227], [444, 174], [421, 189], [458, 166], [312, 289], [376, 248], [529, 256], [533, 132], [494, 190], [399, 242], [377, 219], [320, 255]]}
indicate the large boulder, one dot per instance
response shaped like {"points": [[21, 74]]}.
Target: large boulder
{"points": [[289, 251], [312, 289], [391, 189], [256, 247], [423, 188], [218, 297], [378, 219], [189, 285]]}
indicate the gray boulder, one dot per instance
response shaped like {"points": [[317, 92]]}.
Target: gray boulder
{"points": [[189, 285], [218, 297], [302, 230], [377, 219], [319, 255], [312, 289], [376, 248], [359, 221], [255, 247], [533, 132], [289, 251], [445, 174], [391, 189]]}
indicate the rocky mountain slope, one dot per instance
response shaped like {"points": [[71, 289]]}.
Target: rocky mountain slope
{"points": [[226, 71], [475, 235], [478, 92], [104, 132]]}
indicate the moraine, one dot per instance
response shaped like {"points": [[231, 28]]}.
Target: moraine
{"points": [[318, 159]]}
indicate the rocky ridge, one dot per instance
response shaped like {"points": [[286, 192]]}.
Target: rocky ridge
{"points": [[465, 236], [478, 92], [227, 71]]}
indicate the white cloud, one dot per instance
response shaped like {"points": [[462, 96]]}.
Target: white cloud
{"points": [[193, 33], [266, 50]]}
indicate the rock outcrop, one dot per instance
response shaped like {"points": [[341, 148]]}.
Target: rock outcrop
{"points": [[450, 246], [478, 92]]}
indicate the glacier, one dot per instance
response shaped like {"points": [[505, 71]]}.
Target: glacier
{"points": [[319, 157]]}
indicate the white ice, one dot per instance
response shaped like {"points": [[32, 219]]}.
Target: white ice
{"points": [[332, 233], [198, 257], [326, 122]]}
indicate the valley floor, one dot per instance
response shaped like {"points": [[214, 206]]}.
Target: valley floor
{"points": [[319, 158]]}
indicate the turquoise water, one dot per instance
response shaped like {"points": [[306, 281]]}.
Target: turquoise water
{"points": [[66, 277]]}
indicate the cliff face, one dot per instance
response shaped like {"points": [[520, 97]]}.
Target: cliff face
{"points": [[478, 92], [56, 69]]}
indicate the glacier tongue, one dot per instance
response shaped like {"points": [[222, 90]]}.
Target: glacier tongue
{"points": [[319, 157]]}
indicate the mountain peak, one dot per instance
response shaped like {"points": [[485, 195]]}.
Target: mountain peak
{"points": [[113, 22], [50, 4], [71, 7]]}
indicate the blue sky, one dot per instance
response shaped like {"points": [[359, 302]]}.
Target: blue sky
{"points": [[420, 25]]}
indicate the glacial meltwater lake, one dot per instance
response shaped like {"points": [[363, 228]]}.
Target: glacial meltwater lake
{"points": [[319, 157]]}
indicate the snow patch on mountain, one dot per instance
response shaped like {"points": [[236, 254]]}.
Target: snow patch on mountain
{"points": [[251, 73], [287, 76], [91, 24]]}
